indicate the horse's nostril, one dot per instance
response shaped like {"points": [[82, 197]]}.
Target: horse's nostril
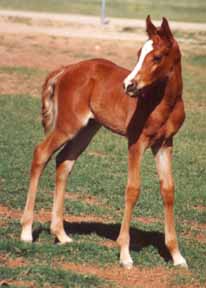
{"points": [[131, 87], [123, 85]]}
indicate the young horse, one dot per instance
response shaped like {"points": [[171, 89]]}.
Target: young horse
{"points": [[79, 98]]}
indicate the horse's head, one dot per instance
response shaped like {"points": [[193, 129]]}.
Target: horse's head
{"points": [[156, 58]]}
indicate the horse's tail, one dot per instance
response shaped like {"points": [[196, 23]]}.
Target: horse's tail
{"points": [[49, 100]]}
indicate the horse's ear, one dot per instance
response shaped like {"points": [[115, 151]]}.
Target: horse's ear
{"points": [[150, 28], [165, 29]]}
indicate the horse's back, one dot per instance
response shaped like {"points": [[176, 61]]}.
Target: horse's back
{"points": [[93, 87]]}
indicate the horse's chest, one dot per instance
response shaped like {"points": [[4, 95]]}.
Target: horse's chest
{"points": [[155, 122]]}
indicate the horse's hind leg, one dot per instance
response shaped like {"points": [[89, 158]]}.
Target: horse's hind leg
{"points": [[64, 163], [42, 154]]}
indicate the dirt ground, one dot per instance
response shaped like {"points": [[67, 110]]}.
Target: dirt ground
{"points": [[46, 41], [46, 53]]}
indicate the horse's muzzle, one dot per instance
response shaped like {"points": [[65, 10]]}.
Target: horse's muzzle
{"points": [[131, 89]]}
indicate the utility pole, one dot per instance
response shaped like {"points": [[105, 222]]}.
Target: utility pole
{"points": [[103, 13]]}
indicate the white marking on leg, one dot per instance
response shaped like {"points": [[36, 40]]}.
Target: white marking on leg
{"points": [[146, 49], [179, 260], [125, 258], [26, 234], [164, 166]]}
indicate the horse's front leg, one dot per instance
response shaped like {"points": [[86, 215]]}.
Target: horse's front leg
{"points": [[131, 196], [163, 157]]}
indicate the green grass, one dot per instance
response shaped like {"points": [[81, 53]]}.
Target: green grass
{"points": [[27, 71], [182, 10], [45, 275], [199, 60]]}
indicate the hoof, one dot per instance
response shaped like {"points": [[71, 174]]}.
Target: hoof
{"points": [[26, 237], [182, 265], [127, 265], [65, 240]]}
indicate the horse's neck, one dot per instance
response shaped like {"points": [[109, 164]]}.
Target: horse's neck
{"points": [[154, 109], [173, 90]]}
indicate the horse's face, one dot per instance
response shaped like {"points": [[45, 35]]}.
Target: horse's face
{"points": [[155, 59]]}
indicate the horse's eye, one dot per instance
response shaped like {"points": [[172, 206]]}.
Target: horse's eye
{"points": [[157, 58]]}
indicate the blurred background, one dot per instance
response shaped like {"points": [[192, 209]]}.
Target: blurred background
{"points": [[181, 10]]}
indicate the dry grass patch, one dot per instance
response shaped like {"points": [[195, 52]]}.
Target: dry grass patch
{"points": [[44, 216], [86, 198], [16, 283], [136, 277], [20, 84], [147, 220]]}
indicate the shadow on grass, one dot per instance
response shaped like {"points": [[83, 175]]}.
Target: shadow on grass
{"points": [[139, 238], [37, 231]]}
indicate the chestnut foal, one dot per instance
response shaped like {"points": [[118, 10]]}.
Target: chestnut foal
{"points": [[145, 106]]}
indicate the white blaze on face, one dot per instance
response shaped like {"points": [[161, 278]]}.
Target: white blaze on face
{"points": [[146, 49]]}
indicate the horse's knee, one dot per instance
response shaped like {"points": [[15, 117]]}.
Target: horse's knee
{"points": [[39, 156], [132, 194], [167, 193]]}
